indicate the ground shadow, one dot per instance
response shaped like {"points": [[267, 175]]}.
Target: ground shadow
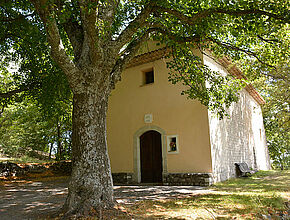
{"points": [[37, 199], [31, 199]]}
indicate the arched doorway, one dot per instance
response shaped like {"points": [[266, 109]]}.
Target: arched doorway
{"points": [[151, 157]]}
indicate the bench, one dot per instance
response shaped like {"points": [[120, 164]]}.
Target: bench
{"points": [[243, 170]]}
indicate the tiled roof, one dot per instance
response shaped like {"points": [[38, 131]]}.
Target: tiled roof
{"points": [[225, 62], [233, 70], [148, 57]]}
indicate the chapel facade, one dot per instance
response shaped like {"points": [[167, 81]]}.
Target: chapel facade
{"points": [[157, 135]]}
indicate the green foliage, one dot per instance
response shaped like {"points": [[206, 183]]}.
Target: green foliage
{"points": [[222, 26], [211, 88], [7, 83], [23, 42], [93, 41], [28, 159], [22, 130], [276, 118], [253, 33], [273, 85], [255, 37]]}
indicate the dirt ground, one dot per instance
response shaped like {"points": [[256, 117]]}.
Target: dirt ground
{"points": [[31, 199], [24, 199]]}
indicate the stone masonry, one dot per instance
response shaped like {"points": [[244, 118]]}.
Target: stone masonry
{"points": [[240, 138], [187, 179], [172, 179], [122, 178]]}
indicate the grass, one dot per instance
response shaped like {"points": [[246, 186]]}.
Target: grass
{"points": [[265, 193], [24, 159]]}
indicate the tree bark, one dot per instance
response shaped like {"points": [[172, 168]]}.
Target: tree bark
{"points": [[50, 150], [59, 155], [91, 186]]}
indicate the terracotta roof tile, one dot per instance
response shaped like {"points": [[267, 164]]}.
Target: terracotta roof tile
{"points": [[225, 62]]}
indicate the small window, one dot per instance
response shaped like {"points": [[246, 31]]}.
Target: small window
{"points": [[148, 77], [172, 144]]}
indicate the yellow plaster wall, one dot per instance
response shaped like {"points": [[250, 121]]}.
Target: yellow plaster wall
{"points": [[175, 114]]}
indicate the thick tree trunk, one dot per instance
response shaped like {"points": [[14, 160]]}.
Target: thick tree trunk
{"points": [[91, 187]]}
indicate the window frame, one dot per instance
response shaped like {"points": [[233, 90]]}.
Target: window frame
{"points": [[168, 140], [144, 76]]}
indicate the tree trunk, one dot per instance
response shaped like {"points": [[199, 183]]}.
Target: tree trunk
{"points": [[59, 145], [91, 187], [50, 151]]}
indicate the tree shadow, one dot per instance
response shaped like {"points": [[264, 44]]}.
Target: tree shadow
{"points": [[257, 194], [31, 199], [132, 194], [210, 206], [259, 182]]}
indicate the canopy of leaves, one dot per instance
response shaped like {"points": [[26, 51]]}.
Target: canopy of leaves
{"points": [[277, 117], [23, 42], [36, 77], [22, 129], [228, 28], [25, 131], [93, 41], [273, 85]]}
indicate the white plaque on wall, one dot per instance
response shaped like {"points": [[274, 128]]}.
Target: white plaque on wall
{"points": [[148, 118]]}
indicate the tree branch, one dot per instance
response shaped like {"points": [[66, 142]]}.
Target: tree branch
{"points": [[89, 19], [11, 93], [130, 30], [232, 47], [206, 13], [8, 35], [73, 30], [276, 76], [20, 17], [75, 35], [107, 12], [134, 46], [57, 49], [179, 39], [271, 41], [127, 55]]}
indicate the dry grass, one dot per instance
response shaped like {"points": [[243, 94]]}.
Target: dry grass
{"points": [[265, 193], [22, 159]]}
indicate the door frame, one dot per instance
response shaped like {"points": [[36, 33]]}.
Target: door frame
{"points": [[136, 150]]}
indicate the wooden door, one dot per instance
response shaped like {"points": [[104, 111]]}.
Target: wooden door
{"points": [[151, 157]]}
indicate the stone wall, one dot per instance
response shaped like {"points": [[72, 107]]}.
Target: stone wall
{"points": [[122, 178], [173, 179], [188, 179], [8, 169], [240, 138]]}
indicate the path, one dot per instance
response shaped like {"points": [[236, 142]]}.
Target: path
{"points": [[35, 199]]}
